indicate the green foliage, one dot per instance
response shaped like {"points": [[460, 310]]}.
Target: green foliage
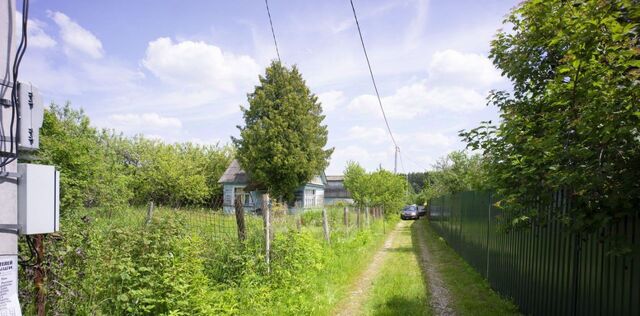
{"points": [[90, 174], [571, 122], [282, 143], [175, 174], [101, 168], [355, 181], [417, 180], [96, 267], [380, 188], [114, 264], [457, 172]]}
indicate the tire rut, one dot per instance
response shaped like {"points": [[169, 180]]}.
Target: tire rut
{"points": [[440, 297]]}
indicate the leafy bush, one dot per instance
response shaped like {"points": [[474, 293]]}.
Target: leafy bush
{"points": [[101, 168], [98, 268], [572, 120]]}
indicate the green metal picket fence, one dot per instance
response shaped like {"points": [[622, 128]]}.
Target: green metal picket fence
{"points": [[543, 269]]}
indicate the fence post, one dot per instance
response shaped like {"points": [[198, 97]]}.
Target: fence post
{"points": [[266, 211], [39, 275], [325, 225], [346, 216], [488, 235], [358, 217], [299, 222], [384, 220], [149, 213], [239, 208]]}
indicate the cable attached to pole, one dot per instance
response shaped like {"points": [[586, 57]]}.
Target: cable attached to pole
{"points": [[266, 2], [22, 47]]}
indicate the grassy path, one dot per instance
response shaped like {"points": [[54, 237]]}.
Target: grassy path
{"points": [[441, 300], [469, 293], [417, 273], [399, 288], [352, 305]]}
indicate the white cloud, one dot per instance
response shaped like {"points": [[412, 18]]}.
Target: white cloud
{"points": [[199, 65], [373, 135], [419, 99], [451, 66], [38, 38], [418, 140], [417, 27], [205, 142], [75, 38], [145, 121], [456, 82], [370, 159], [331, 100]]}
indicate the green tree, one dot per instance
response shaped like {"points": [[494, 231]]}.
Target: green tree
{"points": [[456, 172], [379, 188], [90, 174], [417, 180], [355, 180], [282, 143], [572, 121]]}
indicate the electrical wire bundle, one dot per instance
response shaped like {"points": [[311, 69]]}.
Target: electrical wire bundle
{"points": [[12, 154]]}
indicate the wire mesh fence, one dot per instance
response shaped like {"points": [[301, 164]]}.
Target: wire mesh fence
{"points": [[215, 224]]}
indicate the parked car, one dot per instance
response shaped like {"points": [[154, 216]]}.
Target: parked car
{"points": [[422, 211], [409, 212]]}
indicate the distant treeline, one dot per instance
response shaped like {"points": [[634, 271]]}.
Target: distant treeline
{"points": [[101, 168]]}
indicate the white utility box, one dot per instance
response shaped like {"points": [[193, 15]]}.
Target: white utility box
{"points": [[38, 199], [31, 110]]}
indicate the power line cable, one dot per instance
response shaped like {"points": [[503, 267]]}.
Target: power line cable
{"points": [[375, 86], [22, 47], [266, 2]]}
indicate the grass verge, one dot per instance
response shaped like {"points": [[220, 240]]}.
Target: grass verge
{"points": [[470, 292]]}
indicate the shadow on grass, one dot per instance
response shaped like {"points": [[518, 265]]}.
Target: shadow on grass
{"points": [[397, 305], [400, 249]]}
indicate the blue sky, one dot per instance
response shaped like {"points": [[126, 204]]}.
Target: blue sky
{"points": [[179, 70]]}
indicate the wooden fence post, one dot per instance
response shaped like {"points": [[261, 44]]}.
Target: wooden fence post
{"points": [[299, 222], [266, 211], [325, 225], [384, 219], [358, 217], [239, 208], [149, 213], [346, 216], [39, 275]]}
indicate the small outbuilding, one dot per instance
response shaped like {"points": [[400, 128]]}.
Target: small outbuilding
{"points": [[236, 183], [335, 192]]}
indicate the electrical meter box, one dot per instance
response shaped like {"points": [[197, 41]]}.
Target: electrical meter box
{"points": [[31, 111], [38, 199]]}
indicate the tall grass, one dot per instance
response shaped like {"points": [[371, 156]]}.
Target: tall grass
{"points": [[189, 261]]}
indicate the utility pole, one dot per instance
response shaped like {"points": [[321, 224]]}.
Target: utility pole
{"points": [[9, 304], [395, 162]]}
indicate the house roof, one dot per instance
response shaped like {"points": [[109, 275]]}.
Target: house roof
{"points": [[234, 174], [335, 178]]}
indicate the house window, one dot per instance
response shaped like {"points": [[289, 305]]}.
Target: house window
{"points": [[309, 198], [245, 197]]}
